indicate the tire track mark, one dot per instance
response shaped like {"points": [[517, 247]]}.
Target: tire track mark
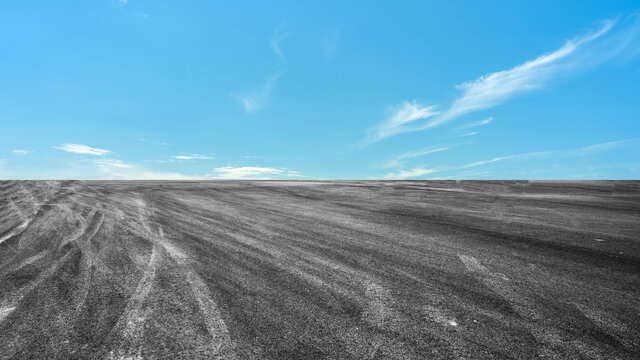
{"points": [[16, 231], [221, 342], [135, 314], [95, 224], [553, 342], [12, 301]]}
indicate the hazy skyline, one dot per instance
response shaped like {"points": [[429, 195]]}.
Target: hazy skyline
{"points": [[201, 90]]}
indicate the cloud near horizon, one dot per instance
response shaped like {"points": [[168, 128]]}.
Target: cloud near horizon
{"points": [[590, 149], [250, 172], [409, 174], [495, 88], [119, 170], [191, 157]]}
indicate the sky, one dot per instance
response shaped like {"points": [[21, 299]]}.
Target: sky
{"points": [[301, 90]]}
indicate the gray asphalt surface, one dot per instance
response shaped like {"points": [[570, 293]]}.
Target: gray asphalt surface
{"points": [[311, 270]]}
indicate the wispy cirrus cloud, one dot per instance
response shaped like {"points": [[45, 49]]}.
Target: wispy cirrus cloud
{"points": [[251, 172], [422, 152], [191, 157], [470, 133], [571, 153], [477, 123], [21, 152], [604, 146], [495, 88], [82, 149], [399, 119], [501, 158], [411, 154], [257, 99], [279, 34]]}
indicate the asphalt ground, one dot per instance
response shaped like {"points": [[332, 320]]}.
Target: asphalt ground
{"points": [[319, 270]]}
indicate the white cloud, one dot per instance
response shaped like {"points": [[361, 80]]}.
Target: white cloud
{"points": [[162, 143], [392, 163], [21, 152], [409, 174], [492, 89], [81, 149], [477, 123], [116, 169], [258, 99], [400, 117], [416, 153], [251, 172], [278, 35], [191, 157], [112, 163], [604, 146], [501, 158], [400, 160]]}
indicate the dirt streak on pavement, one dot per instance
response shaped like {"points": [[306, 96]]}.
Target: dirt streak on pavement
{"points": [[319, 269]]}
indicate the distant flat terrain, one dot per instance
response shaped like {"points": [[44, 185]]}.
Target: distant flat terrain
{"points": [[323, 269]]}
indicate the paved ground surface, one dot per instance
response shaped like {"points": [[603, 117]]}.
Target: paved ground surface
{"points": [[304, 270]]}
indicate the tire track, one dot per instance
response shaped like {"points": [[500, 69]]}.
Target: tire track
{"points": [[9, 304], [16, 231], [95, 222], [553, 342], [135, 314], [221, 343]]}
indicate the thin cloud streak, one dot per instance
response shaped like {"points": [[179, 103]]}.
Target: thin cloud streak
{"points": [[471, 133], [278, 35], [579, 152], [422, 152], [501, 158], [477, 123], [492, 89], [21, 152], [112, 163], [605, 146], [401, 159], [258, 99], [82, 149]]}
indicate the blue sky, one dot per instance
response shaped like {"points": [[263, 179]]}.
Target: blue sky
{"points": [[319, 90]]}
